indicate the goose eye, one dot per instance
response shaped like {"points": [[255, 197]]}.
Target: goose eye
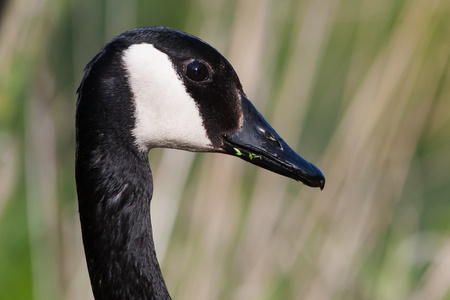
{"points": [[197, 71]]}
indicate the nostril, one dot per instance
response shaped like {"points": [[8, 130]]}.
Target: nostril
{"points": [[272, 139]]}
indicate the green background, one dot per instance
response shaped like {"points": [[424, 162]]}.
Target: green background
{"points": [[359, 88]]}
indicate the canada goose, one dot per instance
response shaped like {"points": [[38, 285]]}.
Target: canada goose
{"points": [[156, 87]]}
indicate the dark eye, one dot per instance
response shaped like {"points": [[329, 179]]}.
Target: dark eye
{"points": [[197, 71]]}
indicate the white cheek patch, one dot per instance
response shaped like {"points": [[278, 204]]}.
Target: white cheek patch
{"points": [[166, 115]]}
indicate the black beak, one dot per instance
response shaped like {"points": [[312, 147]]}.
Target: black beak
{"points": [[258, 143]]}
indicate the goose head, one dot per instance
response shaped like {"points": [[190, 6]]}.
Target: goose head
{"points": [[179, 92]]}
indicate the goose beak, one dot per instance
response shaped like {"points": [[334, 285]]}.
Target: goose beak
{"points": [[258, 143]]}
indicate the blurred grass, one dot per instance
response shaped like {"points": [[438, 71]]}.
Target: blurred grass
{"points": [[360, 88]]}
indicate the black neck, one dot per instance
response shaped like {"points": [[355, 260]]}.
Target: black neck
{"points": [[114, 186]]}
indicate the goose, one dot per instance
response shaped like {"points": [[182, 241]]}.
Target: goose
{"points": [[156, 87]]}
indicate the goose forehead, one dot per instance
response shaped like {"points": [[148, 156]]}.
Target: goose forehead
{"points": [[166, 115]]}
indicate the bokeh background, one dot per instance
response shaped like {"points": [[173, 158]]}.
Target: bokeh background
{"points": [[360, 88]]}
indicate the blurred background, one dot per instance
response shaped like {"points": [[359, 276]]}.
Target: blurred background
{"points": [[360, 88]]}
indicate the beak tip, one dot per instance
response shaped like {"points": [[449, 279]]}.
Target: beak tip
{"points": [[322, 184], [318, 179]]}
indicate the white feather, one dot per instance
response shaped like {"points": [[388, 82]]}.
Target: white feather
{"points": [[166, 115]]}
